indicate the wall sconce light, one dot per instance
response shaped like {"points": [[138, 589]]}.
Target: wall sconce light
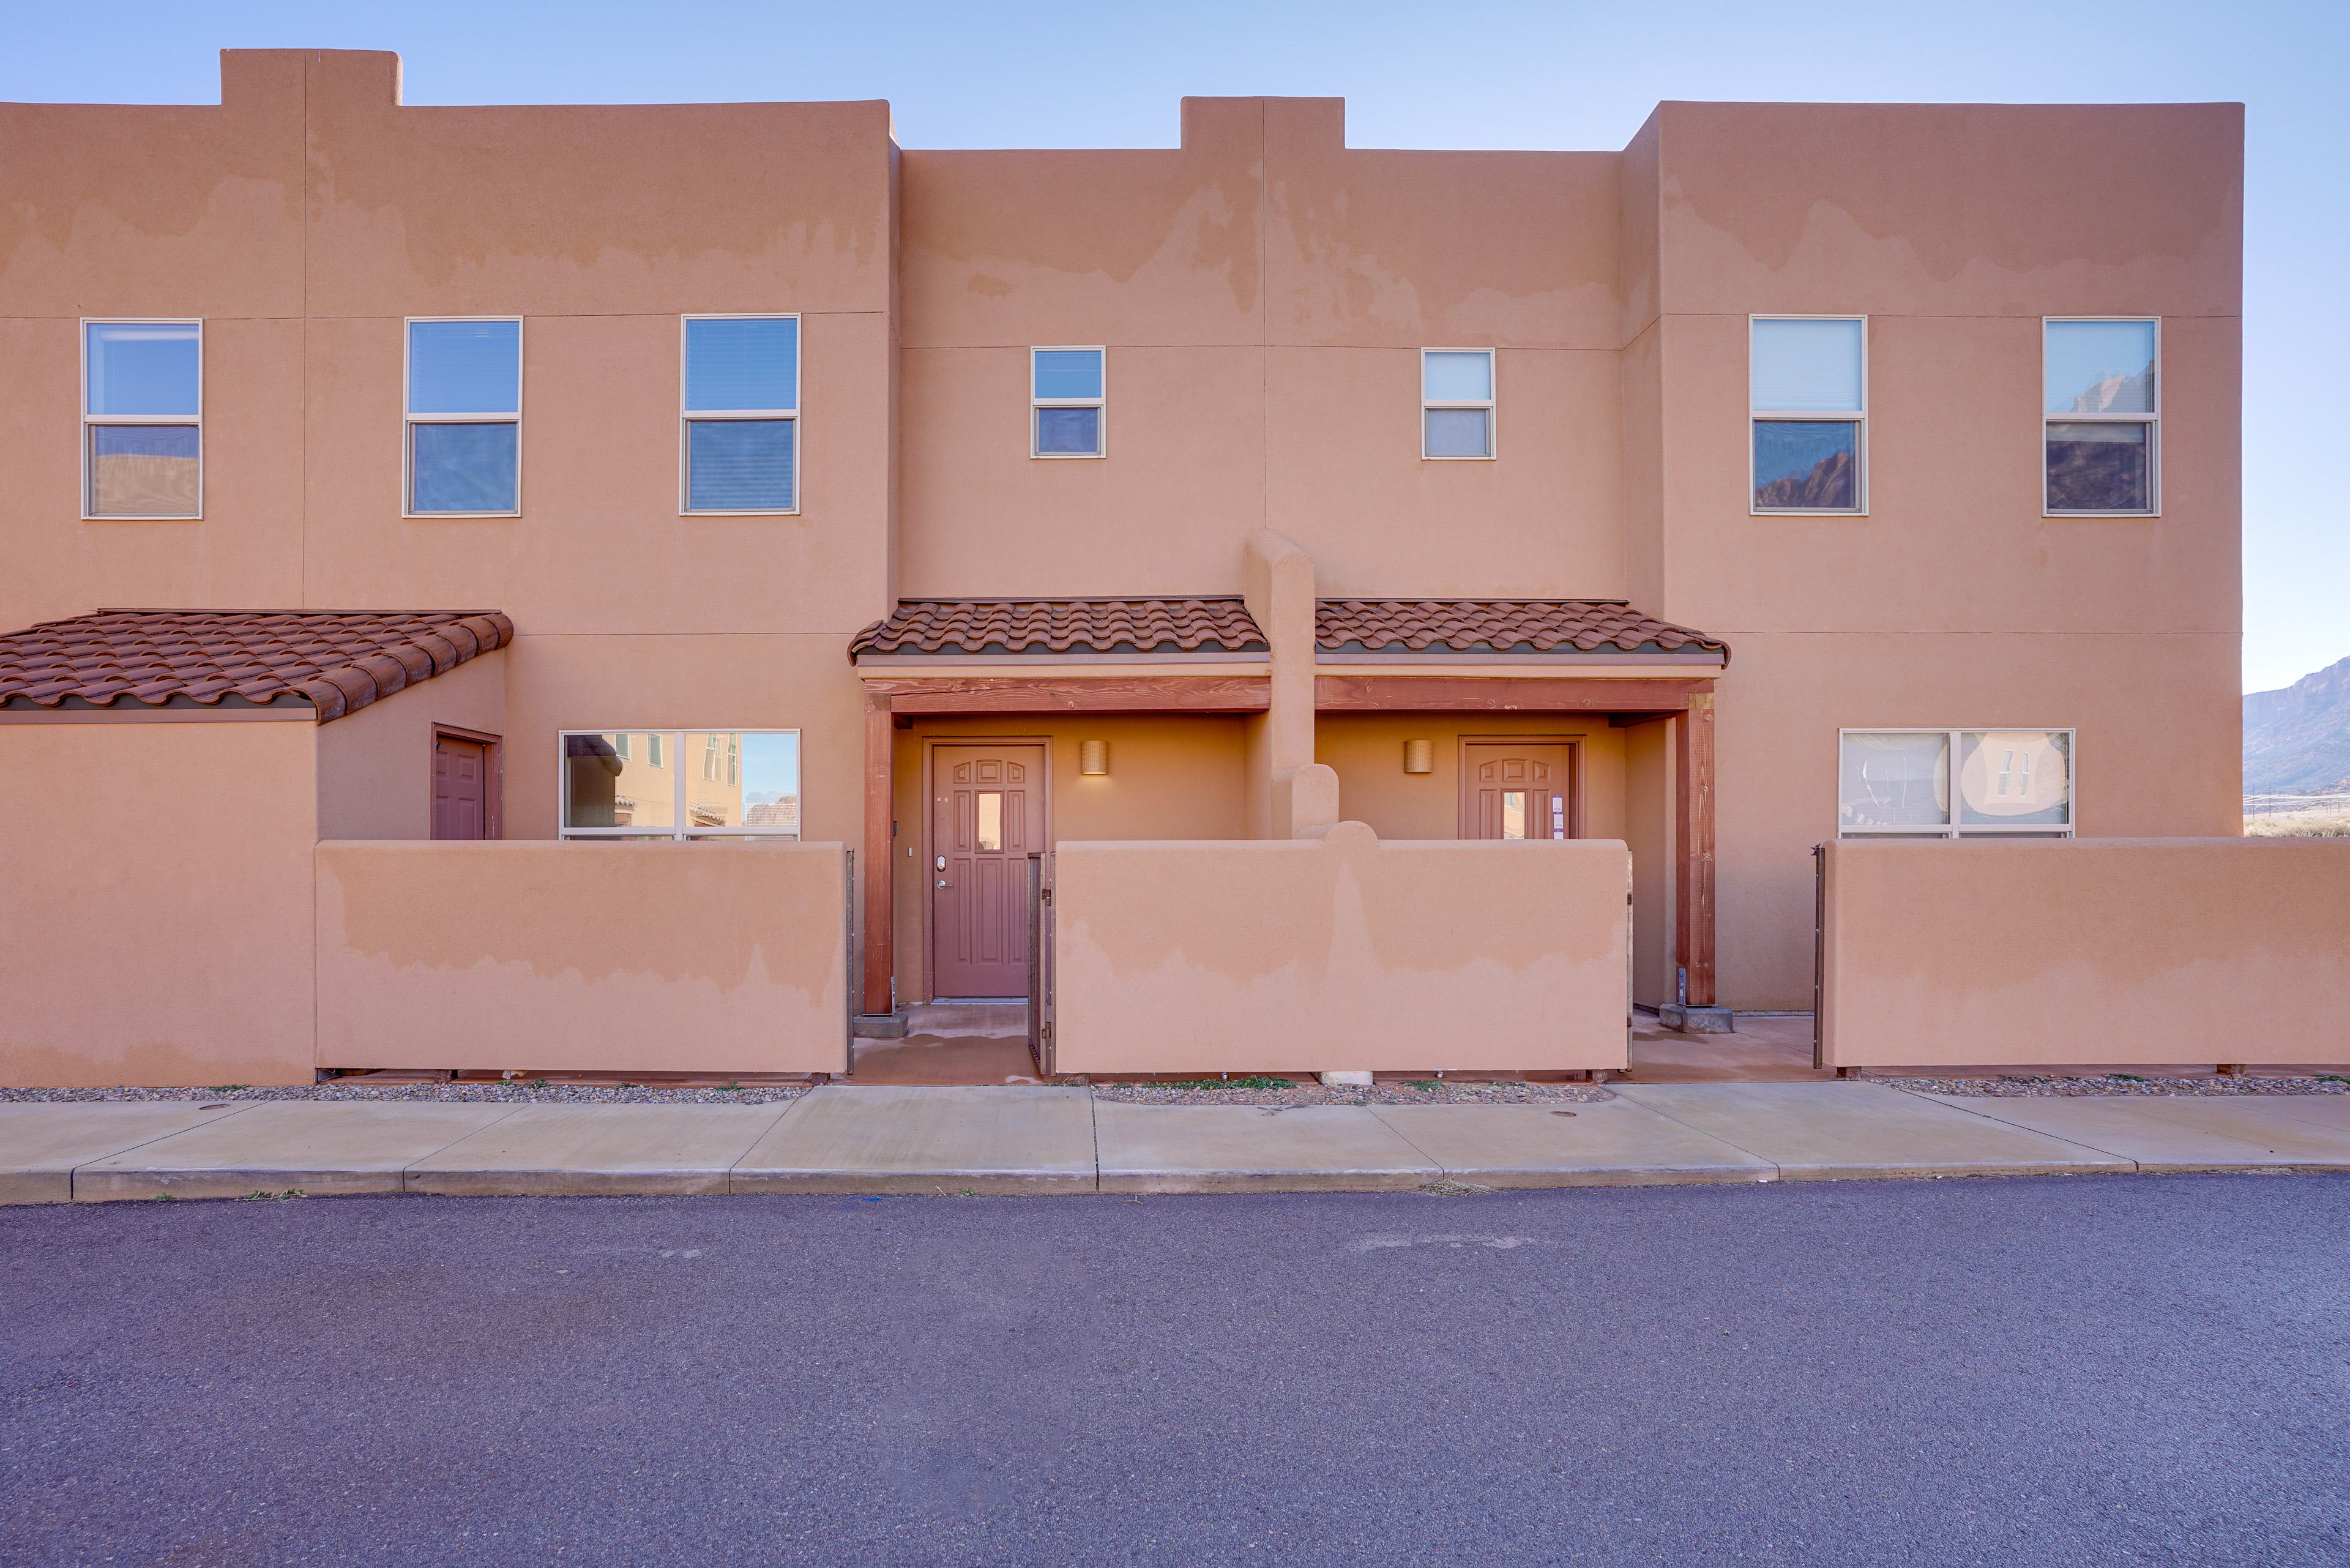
{"points": [[1420, 756], [1093, 758]]}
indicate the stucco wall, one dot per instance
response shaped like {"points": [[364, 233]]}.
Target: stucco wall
{"points": [[375, 763], [158, 901], [626, 958], [1340, 952], [2140, 950]]}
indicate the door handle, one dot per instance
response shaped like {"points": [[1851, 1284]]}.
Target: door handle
{"points": [[945, 884]]}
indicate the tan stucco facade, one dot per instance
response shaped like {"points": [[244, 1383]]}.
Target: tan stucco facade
{"points": [[1262, 293]]}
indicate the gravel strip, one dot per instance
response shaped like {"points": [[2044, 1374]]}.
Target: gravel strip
{"points": [[2122, 1084], [1220, 1093], [518, 1093]]}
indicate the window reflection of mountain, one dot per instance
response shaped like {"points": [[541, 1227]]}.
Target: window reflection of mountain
{"points": [[1828, 485]]}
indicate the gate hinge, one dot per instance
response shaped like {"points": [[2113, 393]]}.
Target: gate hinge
{"points": [[1048, 1032], [1048, 895]]}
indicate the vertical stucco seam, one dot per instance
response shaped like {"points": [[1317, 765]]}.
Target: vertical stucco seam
{"points": [[1264, 325]]}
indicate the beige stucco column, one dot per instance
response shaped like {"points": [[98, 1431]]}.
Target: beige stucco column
{"points": [[1278, 585]]}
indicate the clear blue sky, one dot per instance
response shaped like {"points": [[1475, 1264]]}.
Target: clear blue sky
{"points": [[1499, 74]]}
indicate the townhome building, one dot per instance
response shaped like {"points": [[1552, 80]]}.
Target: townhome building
{"points": [[690, 487]]}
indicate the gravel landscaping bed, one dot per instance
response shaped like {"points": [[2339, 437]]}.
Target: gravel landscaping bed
{"points": [[522, 1091], [2122, 1084], [1260, 1090]]}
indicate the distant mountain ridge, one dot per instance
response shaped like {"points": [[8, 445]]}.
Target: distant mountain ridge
{"points": [[2298, 739]]}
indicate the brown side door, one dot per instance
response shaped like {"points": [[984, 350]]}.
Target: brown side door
{"points": [[461, 788], [1517, 789], [987, 812]]}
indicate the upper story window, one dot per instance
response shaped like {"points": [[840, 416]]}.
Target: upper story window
{"points": [[1066, 402], [1456, 403], [2010, 784], [740, 440], [2101, 408], [681, 784], [143, 415], [464, 417], [1808, 380]]}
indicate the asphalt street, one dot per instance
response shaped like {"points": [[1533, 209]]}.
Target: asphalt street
{"points": [[2089, 1370]]}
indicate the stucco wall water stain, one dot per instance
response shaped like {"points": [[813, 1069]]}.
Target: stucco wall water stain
{"points": [[1907, 172], [695, 914], [2089, 951]]}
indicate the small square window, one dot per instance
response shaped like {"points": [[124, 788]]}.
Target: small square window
{"points": [[1456, 403], [1799, 369], [1066, 402]]}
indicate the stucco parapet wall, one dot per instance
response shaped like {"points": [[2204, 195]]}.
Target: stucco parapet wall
{"points": [[2165, 950], [1269, 954], [662, 957]]}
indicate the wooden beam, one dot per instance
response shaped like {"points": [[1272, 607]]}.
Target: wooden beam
{"points": [[878, 864], [1693, 790], [1342, 693], [1045, 694]]}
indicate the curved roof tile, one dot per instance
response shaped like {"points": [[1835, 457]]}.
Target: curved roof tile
{"points": [[336, 660]]}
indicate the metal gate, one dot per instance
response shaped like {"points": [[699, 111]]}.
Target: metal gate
{"points": [[1040, 963]]}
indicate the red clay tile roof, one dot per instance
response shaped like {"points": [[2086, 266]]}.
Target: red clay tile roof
{"points": [[335, 660], [1448, 626], [1041, 626]]}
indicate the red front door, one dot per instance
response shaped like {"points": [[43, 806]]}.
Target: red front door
{"points": [[461, 788], [987, 813], [1516, 789]]}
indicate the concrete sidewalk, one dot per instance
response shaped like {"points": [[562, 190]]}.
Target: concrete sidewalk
{"points": [[1060, 1140]]}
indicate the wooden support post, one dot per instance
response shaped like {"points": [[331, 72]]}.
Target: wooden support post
{"points": [[1693, 877], [879, 866]]}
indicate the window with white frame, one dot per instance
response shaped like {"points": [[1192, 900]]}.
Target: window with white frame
{"points": [[2010, 782], [143, 417], [681, 784], [1456, 403], [2101, 413], [1808, 394], [464, 448], [739, 443], [1066, 407]]}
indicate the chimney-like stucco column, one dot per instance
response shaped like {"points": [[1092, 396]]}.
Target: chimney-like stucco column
{"points": [[1278, 586]]}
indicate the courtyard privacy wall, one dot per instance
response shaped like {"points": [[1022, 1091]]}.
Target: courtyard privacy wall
{"points": [[158, 927], [639, 958], [2086, 950], [1340, 951]]}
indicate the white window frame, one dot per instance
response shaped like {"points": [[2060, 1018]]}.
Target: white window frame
{"points": [[88, 419], [1858, 418], [2151, 419], [676, 766], [1101, 425], [688, 417], [1491, 405], [1954, 829], [408, 421]]}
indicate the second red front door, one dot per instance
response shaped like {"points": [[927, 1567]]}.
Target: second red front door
{"points": [[987, 814], [1516, 789]]}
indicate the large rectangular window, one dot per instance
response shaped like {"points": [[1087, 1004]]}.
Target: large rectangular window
{"points": [[1067, 402], [740, 443], [464, 417], [681, 784], [2011, 783], [2102, 412], [1456, 403], [143, 419], [1808, 397]]}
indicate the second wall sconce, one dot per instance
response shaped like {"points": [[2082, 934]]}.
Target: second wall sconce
{"points": [[1093, 758], [1420, 756]]}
